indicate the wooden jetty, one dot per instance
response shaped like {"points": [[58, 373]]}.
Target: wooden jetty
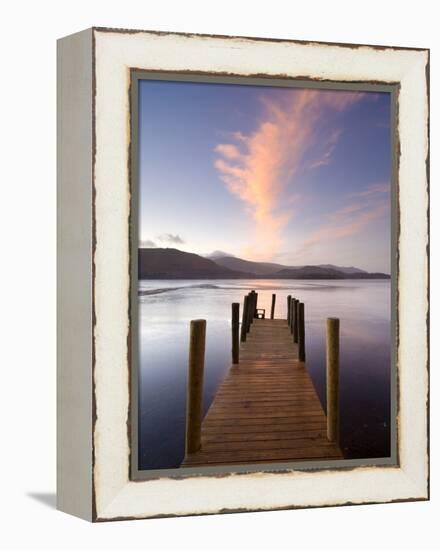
{"points": [[266, 409]]}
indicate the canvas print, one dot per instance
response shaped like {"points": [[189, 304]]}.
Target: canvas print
{"points": [[264, 290]]}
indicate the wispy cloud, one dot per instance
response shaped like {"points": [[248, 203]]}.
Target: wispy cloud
{"points": [[257, 166], [366, 206], [328, 151], [170, 238], [148, 244], [372, 190]]}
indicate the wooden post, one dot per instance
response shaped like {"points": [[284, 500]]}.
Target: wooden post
{"points": [[244, 319], [292, 312], [235, 330], [272, 309], [333, 380], [253, 302], [194, 400], [250, 314], [295, 322], [301, 333], [251, 307], [289, 305]]}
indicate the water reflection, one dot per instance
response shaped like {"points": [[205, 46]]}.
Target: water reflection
{"points": [[166, 308]]}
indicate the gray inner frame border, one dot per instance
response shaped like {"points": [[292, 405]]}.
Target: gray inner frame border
{"points": [[133, 344]]}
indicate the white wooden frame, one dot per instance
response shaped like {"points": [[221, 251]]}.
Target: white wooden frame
{"points": [[94, 275]]}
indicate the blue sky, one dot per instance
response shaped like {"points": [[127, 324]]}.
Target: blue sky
{"points": [[291, 175]]}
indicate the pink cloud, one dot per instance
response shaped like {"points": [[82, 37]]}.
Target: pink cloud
{"points": [[228, 151], [257, 166]]}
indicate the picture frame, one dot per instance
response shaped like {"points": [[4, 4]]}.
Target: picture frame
{"points": [[97, 477]]}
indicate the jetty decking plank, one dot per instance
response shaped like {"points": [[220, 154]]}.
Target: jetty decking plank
{"points": [[266, 409]]}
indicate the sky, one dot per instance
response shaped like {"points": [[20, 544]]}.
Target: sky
{"points": [[295, 176]]}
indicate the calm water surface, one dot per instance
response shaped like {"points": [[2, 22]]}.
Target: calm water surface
{"points": [[167, 307]]}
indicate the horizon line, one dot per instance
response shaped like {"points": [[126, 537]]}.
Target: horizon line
{"points": [[261, 262]]}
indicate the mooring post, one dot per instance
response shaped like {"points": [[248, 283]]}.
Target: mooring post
{"points": [[235, 330], [301, 333], [272, 308], [244, 318], [333, 379], [250, 312], [295, 322], [254, 299], [196, 363], [289, 305], [251, 306], [292, 313]]}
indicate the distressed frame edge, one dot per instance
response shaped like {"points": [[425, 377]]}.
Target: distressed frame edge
{"points": [[422, 490], [305, 42]]}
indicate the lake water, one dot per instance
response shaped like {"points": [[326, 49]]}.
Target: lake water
{"points": [[167, 307]]}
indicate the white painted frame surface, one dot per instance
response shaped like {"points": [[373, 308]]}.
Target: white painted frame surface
{"points": [[115, 495]]}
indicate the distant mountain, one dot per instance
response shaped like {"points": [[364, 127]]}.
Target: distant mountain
{"points": [[217, 254], [266, 268], [170, 263], [365, 275], [319, 272], [343, 269], [246, 266]]}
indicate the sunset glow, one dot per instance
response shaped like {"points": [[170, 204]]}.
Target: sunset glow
{"points": [[297, 176]]}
